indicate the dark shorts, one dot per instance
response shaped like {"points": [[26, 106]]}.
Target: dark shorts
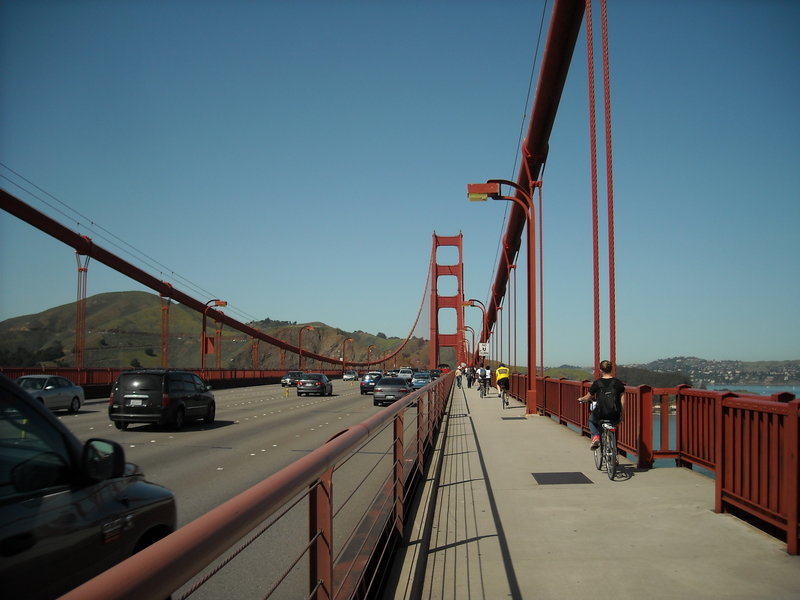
{"points": [[503, 383]]}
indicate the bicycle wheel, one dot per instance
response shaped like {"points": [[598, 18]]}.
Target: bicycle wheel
{"points": [[610, 451], [598, 455]]}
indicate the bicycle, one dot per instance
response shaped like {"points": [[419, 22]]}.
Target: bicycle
{"points": [[503, 396], [482, 388], [606, 453]]}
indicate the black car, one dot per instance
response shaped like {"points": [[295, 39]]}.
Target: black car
{"points": [[161, 396], [314, 383], [369, 380], [68, 510]]}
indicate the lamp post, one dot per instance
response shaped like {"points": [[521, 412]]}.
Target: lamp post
{"points": [[369, 354], [479, 304], [300, 346], [474, 349], [203, 339], [481, 192], [344, 358]]}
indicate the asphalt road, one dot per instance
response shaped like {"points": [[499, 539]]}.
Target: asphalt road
{"points": [[258, 431]]}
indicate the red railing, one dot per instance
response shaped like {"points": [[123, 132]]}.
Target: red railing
{"points": [[750, 443], [349, 541]]}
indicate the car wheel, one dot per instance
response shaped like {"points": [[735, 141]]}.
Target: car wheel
{"points": [[75, 405], [180, 418], [212, 411], [121, 425]]}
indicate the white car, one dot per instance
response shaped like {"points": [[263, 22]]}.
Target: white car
{"points": [[350, 376], [406, 373], [53, 391]]}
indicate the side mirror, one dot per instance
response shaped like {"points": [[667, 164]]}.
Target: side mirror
{"points": [[103, 459]]}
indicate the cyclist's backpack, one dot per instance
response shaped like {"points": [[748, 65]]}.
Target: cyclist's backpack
{"points": [[608, 403], [482, 373]]}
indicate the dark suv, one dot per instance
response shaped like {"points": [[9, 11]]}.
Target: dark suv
{"points": [[68, 510], [160, 396]]}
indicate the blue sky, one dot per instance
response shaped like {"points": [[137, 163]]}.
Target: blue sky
{"points": [[295, 158]]}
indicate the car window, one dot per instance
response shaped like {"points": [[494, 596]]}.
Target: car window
{"points": [[140, 382], [34, 456], [198, 383], [31, 383]]}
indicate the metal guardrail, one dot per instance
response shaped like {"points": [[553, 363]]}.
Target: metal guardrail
{"points": [[337, 562]]}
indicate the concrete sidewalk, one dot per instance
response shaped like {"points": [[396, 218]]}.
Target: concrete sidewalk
{"points": [[503, 514]]}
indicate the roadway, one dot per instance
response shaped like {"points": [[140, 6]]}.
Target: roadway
{"points": [[257, 431]]}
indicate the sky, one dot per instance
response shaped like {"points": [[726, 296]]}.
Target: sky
{"points": [[295, 159]]}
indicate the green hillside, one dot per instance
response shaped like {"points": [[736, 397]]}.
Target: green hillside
{"points": [[124, 329]]}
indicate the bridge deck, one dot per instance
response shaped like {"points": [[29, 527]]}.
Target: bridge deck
{"points": [[490, 526]]}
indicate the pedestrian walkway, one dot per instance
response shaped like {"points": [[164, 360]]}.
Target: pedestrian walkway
{"points": [[513, 507]]}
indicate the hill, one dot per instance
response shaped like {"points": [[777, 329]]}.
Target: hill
{"points": [[124, 329]]}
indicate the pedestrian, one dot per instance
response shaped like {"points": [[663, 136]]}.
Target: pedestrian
{"points": [[470, 376], [459, 374], [608, 402]]}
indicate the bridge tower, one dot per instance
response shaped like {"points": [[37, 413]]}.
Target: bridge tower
{"points": [[455, 339]]}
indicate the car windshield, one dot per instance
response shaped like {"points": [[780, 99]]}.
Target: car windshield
{"points": [[31, 383], [316, 376], [294, 373]]}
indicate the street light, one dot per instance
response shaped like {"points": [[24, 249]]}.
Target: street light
{"points": [[480, 192], [300, 346], [204, 339], [369, 354], [344, 359], [474, 349], [479, 304]]}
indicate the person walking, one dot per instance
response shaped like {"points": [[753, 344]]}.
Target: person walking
{"points": [[459, 374], [609, 401], [470, 376]]}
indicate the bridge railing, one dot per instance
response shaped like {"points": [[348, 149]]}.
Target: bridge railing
{"points": [[355, 492], [749, 443]]}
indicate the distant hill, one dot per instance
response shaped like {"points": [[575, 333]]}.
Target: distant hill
{"points": [[703, 372], [124, 329]]}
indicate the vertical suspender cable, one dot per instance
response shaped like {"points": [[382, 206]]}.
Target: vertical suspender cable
{"points": [[610, 188], [593, 148], [541, 288]]}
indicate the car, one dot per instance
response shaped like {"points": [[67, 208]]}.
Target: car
{"points": [[290, 379], [314, 383], [69, 510], [420, 379], [53, 391], [390, 389], [160, 396], [369, 380], [435, 373], [350, 376], [406, 372]]}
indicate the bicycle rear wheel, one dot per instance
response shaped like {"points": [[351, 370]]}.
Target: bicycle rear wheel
{"points": [[598, 456], [610, 451]]}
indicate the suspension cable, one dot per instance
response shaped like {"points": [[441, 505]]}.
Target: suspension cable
{"points": [[593, 150], [610, 189]]}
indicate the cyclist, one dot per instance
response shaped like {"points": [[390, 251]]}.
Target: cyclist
{"points": [[502, 374], [609, 401], [483, 379]]}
